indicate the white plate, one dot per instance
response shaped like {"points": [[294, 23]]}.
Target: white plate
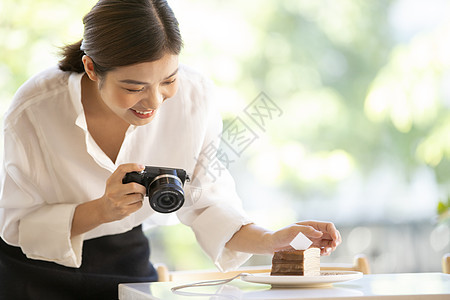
{"points": [[325, 279]]}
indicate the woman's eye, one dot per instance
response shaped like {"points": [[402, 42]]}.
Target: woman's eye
{"points": [[134, 91], [169, 82]]}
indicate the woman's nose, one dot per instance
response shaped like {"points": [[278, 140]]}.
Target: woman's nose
{"points": [[152, 99]]}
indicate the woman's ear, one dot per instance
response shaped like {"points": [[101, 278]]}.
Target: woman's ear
{"points": [[89, 68]]}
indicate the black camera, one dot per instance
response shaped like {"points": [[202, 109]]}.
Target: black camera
{"points": [[164, 186]]}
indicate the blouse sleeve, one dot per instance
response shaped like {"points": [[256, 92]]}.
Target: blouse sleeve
{"points": [[213, 209], [31, 216]]}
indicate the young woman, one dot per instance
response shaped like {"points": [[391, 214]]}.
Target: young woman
{"points": [[119, 100]]}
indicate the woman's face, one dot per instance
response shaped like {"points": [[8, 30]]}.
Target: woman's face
{"points": [[135, 93]]}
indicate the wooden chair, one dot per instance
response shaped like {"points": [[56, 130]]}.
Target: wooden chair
{"points": [[360, 264], [446, 263]]}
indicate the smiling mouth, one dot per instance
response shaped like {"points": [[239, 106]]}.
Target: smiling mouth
{"points": [[143, 114]]}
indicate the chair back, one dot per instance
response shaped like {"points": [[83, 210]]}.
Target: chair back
{"points": [[446, 263]]}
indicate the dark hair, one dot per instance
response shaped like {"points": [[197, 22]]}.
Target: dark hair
{"points": [[124, 32]]}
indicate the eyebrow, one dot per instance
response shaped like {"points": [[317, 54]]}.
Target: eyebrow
{"points": [[137, 82]]}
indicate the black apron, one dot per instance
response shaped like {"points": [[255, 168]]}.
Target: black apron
{"points": [[107, 261]]}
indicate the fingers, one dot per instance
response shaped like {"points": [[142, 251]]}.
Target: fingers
{"points": [[325, 227], [121, 200], [330, 239], [310, 231], [121, 170], [329, 230], [134, 188], [118, 192], [334, 233], [326, 251], [283, 237], [337, 241], [334, 236], [132, 199], [135, 206], [119, 174]]}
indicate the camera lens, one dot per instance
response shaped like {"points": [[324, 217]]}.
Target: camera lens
{"points": [[166, 200], [165, 193]]}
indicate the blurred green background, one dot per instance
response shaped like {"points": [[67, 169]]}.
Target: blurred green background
{"points": [[363, 138]]}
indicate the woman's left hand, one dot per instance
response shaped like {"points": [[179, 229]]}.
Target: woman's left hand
{"points": [[324, 235]]}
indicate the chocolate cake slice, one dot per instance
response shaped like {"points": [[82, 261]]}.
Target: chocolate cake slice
{"points": [[296, 262]]}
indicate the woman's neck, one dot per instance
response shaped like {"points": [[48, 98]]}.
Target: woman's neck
{"points": [[107, 129]]}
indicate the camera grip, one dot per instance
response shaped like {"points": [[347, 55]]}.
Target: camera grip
{"points": [[133, 177]]}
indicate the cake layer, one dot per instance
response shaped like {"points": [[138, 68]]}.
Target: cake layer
{"points": [[296, 262], [282, 261], [287, 267], [292, 255]]}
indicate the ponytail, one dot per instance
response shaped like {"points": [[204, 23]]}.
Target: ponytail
{"points": [[71, 58]]}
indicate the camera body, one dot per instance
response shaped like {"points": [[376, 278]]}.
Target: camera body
{"points": [[164, 186]]}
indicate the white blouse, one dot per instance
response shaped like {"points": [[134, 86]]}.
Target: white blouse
{"points": [[51, 164]]}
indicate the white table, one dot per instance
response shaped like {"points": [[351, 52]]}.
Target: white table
{"points": [[377, 286]]}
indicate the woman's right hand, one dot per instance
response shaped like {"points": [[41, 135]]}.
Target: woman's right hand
{"points": [[120, 200]]}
